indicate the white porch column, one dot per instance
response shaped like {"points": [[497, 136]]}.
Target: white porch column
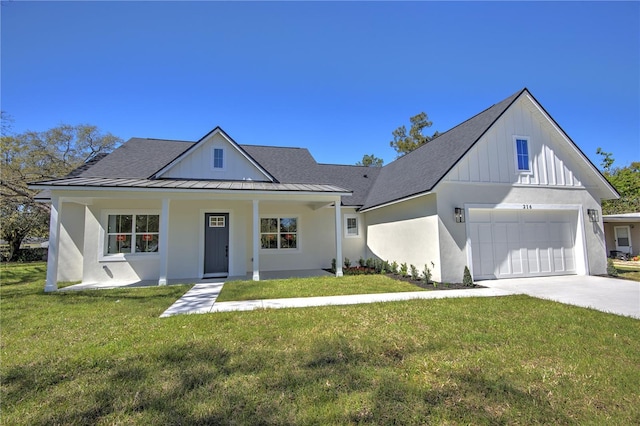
{"points": [[338, 239], [163, 244], [54, 245], [256, 241]]}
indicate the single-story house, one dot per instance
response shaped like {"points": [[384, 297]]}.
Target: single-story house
{"points": [[622, 234], [506, 193]]}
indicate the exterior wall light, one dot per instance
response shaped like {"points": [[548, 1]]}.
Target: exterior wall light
{"points": [[458, 213], [593, 215]]}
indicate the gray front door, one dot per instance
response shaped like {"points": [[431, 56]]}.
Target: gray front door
{"points": [[216, 244]]}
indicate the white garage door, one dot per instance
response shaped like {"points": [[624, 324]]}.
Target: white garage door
{"points": [[522, 243]]}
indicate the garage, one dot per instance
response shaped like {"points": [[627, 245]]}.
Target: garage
{"points": [[522, 243]]}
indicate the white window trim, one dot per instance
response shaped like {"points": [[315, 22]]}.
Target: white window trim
{"points": [[102, 237], [281, 250], [346, 228], [224, 159], [515, 155]]}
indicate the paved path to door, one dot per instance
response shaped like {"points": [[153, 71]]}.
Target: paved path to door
{"points": [[202, 299], [616, 296]]}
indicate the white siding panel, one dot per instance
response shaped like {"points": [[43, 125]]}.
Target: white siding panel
{"points": [[492, 158], [198, 164]]}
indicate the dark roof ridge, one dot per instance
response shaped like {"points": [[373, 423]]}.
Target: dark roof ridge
{"points": [[515, 96], [427, 165], [272, 146], [164, 140]]}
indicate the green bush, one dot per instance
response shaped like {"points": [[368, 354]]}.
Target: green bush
{"points": [[362, 262], [394, 267], [611, 269], [347, 263], [467, 280], [415, 275], [31, 254], [404, 270], [426, 274], [333, 265]]}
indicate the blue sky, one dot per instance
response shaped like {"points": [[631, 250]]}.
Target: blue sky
{"points": [[335, 77]]}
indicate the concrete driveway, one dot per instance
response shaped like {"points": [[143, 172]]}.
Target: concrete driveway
{"points": [[621, 297]]}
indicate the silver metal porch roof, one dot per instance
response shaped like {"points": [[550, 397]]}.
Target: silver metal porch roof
{"points": [[180, 184]]}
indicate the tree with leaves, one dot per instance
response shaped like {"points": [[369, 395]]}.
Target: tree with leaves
{"points": [[403, 143], [34, 156], [626, 180], [370, 161]]}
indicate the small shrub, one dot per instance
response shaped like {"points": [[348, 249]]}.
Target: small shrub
{"points": [[362, 262], [426, 274], [377, 265], [333, 265], [385, 267], [467, 280], [415, 275], [369, 263], [394, 267], [404, 270], [347, 263], [611, 269]]}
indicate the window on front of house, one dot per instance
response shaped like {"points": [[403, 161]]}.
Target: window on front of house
{"points": [[279, 233], [218, 158], [132, 233], [522, 154], [351, 226]]}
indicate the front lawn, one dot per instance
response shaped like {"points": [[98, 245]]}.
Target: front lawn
{"points": [[313, 286], [104, 357], [628, 270]]}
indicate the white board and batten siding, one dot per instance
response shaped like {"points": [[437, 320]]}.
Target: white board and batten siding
{"points": [[493, 160], [198, 164], [522, 243]]}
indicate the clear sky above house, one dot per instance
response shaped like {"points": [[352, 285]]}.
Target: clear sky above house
{"points": [[334, 77]]}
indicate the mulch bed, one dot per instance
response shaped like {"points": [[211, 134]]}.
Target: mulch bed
{"points": [[358, 270]]}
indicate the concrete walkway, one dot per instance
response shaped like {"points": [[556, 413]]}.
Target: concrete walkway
{"points": [[611, 295], [202, 299]]}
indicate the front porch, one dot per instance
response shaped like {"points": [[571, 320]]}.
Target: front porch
{"points": [[100, 241]]}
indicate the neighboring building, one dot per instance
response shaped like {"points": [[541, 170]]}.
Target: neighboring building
{"points": [[506, 192], [622, 234]]}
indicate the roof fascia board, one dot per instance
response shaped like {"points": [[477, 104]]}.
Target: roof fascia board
{"points": [[217, 130], [575, 147], [400, 200]]}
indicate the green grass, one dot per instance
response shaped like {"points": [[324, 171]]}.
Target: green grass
{"points": [[104, 357], [314, 286], [630, 271]]}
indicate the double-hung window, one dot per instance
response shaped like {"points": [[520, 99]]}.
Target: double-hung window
{"points": [[351, 228], [522, 154], [279, 233], [132, 233], [217, 158]]}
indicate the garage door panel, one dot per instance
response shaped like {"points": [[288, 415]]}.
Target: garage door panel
{"points": [[513, 243]]}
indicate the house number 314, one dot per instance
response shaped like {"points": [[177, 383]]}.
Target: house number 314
{"points": [[527, 206]]}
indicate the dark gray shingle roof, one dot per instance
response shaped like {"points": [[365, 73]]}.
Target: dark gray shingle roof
{"points": [[419, 171], [137, 158], [296, 165]]}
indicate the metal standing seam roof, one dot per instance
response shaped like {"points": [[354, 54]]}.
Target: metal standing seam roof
{"points": [[98, 182]]}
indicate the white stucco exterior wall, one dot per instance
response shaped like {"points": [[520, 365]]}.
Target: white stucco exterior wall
{"points": [[406, 232], [589, 246]]}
